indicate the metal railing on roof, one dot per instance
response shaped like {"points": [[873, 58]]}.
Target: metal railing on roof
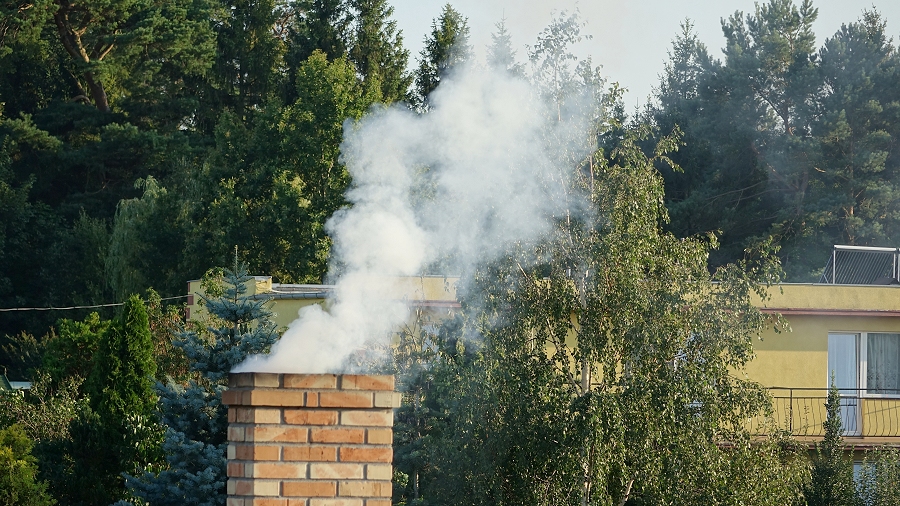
{"points": [[862, 265]]}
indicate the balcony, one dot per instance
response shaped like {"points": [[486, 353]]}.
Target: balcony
{"points": [[868, 416]]}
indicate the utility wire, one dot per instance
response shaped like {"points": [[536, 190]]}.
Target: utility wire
{"points": [[8, 309]]}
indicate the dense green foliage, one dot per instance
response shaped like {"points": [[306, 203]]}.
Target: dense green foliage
{"points": [[18, 473], [832, 481], [785, 140], [193, 414], [446, 47], [141, 142], [91, 411]]}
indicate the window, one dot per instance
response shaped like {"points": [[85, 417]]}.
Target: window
{"points": [[883, 365], [864, 361]]}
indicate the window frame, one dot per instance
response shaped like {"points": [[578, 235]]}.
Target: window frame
{"points": [[862, 363]]}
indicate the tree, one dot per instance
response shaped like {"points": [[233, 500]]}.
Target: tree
{"points": [[48, 413], [852, 193], [18, 473], [445, 48], [378, 50], [248, 57], [120, 385], [118, 432], [113, 41], [310, 25], [500, 53], [196, 420], [832, 480], [71, 353], [879, 477], [272, 185]]}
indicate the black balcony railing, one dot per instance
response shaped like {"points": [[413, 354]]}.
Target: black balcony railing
{"points": [[802, 412]]}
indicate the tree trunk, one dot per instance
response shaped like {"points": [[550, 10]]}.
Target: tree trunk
{"points": [[71, 40]]}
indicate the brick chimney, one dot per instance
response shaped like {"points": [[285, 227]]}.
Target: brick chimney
{"points": [[310, 439]]}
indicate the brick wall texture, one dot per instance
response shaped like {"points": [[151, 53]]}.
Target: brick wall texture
{"points": [[310, 439]]}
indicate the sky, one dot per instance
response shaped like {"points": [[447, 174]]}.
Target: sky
{"points": [[630, 39]]}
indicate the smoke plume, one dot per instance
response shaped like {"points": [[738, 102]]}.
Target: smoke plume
{"points": [[488, 165]]}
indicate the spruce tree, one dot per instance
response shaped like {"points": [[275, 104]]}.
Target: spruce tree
{"points": [[446, 47], [196, 420], [378, 50], [500, 53]]}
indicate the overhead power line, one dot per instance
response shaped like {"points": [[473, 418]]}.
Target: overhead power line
{"points": [[114, 304]]}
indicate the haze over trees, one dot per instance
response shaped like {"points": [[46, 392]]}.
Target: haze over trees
{"points": [[785, 139], [142, 142]]}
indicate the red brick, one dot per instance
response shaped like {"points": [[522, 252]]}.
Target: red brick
{"points": [[236, 469], [337, 435], [364, 489], [310, 417], [277, 470], [334, 470], [257, 415], [240, 379], [274, 398], [350, 454], [378, 418], [311, 381], [378, 502], [266, 501], [335, 502], [380, 436], [367, 382], [346, 400], [277, 434], [266, 379], [312, 399], [379, 472], [257, 452], [310, 453], [243, 487], [232, 397], [388, 399], [232, 415], [308, 489]]}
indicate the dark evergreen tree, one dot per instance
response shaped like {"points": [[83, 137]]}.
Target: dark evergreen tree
{"points": [[446, 47], [196, 421], [378, 50], [249, 56], [324, 25], [853, 195]]}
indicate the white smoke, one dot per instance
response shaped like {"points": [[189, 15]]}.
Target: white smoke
{"points": [[486, 166]]}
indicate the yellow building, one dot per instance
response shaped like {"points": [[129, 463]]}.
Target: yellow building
{"points": [[844, 330], [434, 297], [848, 331]]}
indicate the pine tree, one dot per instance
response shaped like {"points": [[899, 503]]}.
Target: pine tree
{"points": [[445, 48], [196, 420]]}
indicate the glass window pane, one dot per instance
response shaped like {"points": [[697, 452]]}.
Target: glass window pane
{"points": [[842, 362], [883, 374]]}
